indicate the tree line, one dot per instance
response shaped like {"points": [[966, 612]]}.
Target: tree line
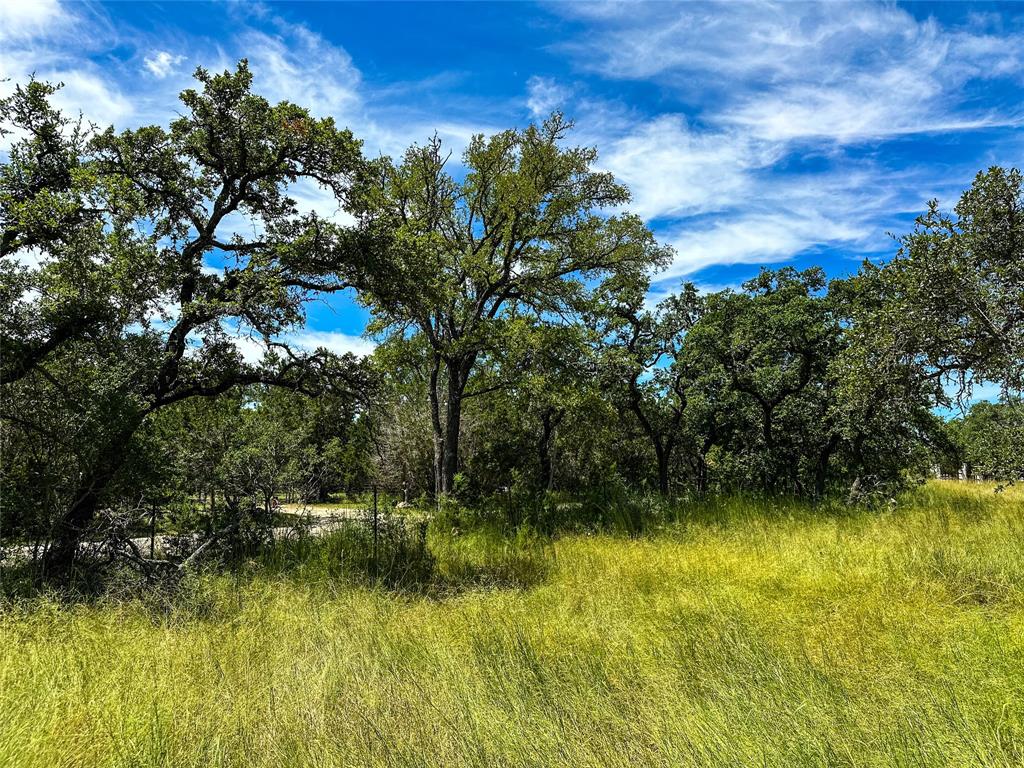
{"points": [[510, 296]]}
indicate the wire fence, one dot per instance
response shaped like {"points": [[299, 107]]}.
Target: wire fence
{"points": [[392, 524], [378, 522]]}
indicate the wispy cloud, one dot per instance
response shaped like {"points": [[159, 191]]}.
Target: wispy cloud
{"points": [[673, 170], [544, 95], [295, 64], [333, 341], [19, 20], [253, 349], [788, 71], [760, 238], [161, 63], [99, 100], [772, 150]]}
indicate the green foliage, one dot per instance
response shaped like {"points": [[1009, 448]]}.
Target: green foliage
{"points": [[948, 309], [990, 439], [752, 390], [771, 347], [122, 317], [958, 283], [70, 260], [642, 367]]}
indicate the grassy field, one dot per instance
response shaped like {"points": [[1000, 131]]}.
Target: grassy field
{"points": [[753, 635]]}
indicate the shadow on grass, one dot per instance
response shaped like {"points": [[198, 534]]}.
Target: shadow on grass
{"points": [[435, 560]]}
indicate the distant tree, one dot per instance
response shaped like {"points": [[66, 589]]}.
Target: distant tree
{"points": [[224, 460], [400, 425], [643, 367], [712, 418], [990, 438], [558, 378], [882, 403], [332, 450], [955, 290], [544, 373], [521, 233], [773, 343], [949, 309]]}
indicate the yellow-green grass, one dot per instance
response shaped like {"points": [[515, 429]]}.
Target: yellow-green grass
{"points": [[761, 635]]}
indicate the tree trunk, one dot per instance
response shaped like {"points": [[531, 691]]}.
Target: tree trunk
{"points": [[450, 452], [59, 558], [771, 472], [702, 470], [452, 425], [663, 444], [664, 454], [700, 475], [447, 420], [435, 422], [821, 467], [550, 419]]}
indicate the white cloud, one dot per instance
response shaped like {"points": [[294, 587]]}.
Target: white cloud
{"points": [[161, 63], [544, 96], [53, 43], [892, 101], [781, 217], [298, 65], [672, 170], [239, 223], [333, 341], [787, 71], [309, 197], [758, 170], [30, 258], [100, 100], [252, 349], [29, 18], [762, 238]]}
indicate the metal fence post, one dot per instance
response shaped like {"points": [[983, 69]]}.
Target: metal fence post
{"points": [[376, 534]]}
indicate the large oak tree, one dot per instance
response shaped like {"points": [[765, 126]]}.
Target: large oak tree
{"points": [[525, 230], [134, 316]]}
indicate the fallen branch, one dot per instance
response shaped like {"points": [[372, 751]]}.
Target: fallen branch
{"points": [[184, 564]]}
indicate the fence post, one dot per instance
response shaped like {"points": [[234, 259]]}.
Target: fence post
{"points": [[152, 531], [376, 534]]}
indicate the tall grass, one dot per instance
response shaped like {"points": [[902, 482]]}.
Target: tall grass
{"points": [[748, 633]]}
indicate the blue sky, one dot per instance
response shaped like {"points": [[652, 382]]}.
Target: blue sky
{"points": [[750, 134]]}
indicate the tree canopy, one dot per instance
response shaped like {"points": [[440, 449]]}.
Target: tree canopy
{"points": [[122, 315], [521, 234]]}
